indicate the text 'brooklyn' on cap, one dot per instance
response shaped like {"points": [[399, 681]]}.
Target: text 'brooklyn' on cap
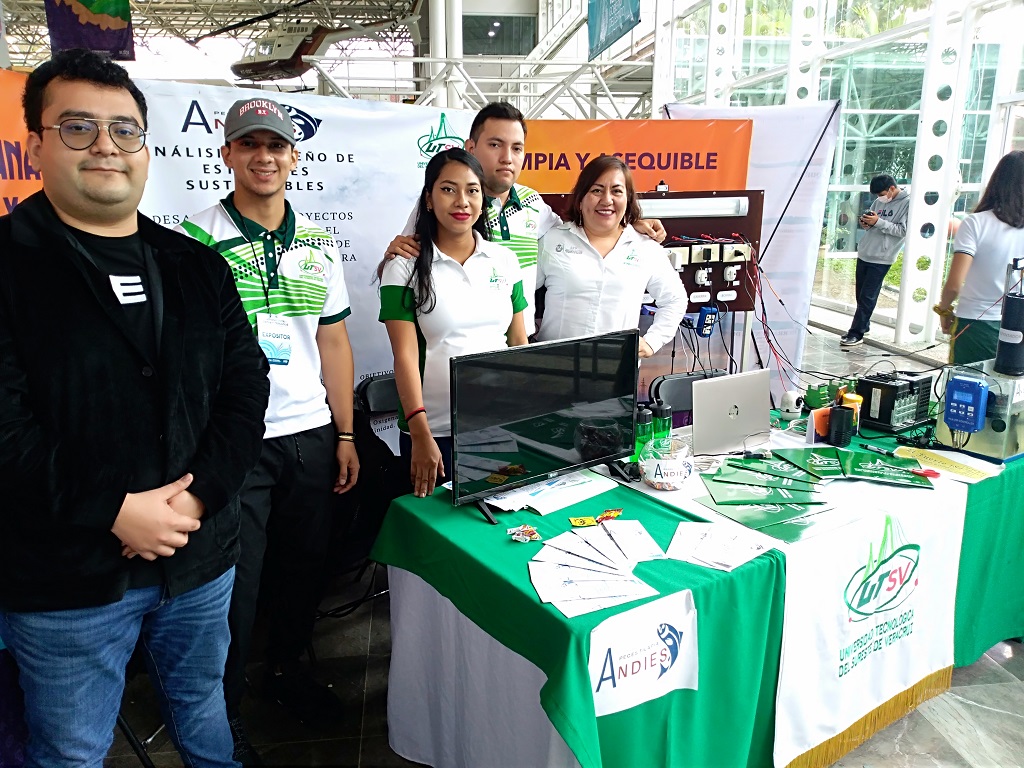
{"points": [[249, 115]]}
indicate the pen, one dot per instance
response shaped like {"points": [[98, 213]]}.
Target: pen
{"points": [[875, 449]]}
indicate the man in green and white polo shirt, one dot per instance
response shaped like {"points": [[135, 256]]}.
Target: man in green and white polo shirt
{"points": [[517, 216], [290, 279]]}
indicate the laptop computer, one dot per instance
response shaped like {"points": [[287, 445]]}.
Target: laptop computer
{"points": [[730, 413]]}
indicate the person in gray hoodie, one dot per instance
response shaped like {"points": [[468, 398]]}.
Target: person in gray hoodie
{"points": [[886, 225]]}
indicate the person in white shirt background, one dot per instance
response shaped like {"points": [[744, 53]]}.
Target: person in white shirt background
{"points": [[597, 267], [462, 294], [985, 243]]}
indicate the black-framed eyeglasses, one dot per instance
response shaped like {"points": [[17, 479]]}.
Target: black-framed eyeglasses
{"points": [[82, 132]]}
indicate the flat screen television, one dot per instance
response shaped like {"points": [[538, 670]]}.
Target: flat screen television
{"points": [[529, 413]]}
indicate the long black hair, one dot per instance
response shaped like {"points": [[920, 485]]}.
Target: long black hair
{"points": [[1004, 195], [426, 224]]}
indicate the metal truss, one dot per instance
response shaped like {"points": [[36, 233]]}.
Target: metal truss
{"points": [[29, 43], [576, 89]]}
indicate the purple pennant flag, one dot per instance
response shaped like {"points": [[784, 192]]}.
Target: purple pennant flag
{"points": [[99, 25]]}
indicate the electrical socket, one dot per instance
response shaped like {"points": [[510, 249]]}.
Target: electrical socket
{"points": [[679, 256], [730, 273], [705, 253], [703, 276], [735, 252]]}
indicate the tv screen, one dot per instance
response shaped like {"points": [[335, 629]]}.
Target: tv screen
{"points": [[528, 413]]}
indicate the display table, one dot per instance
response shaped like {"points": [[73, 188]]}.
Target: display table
{"points": [[728, 720], [983, 575]]}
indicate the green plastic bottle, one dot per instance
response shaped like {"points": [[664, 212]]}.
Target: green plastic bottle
{"points": [[662, 415], [644, 430]]}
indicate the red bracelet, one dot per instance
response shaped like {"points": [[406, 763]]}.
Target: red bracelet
{"points": [[414, 412]]}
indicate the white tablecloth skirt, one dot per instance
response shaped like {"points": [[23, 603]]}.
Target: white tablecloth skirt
{"points": [[457, 698]]}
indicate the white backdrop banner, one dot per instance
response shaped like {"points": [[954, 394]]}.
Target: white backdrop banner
{"points": [[784, 139], [869, 609], [360, 170]]}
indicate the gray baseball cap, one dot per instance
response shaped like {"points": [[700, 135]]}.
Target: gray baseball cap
{"points": [[248, 115]]}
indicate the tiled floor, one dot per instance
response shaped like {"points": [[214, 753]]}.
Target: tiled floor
{"points": [[352, 657], [979, 723]]}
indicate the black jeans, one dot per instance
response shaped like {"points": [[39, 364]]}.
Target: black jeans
{"points": [[284, 534], [869, 284]]}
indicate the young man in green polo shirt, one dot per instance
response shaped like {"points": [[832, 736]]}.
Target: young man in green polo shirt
{"points": [[289, 276], [517, 216]]}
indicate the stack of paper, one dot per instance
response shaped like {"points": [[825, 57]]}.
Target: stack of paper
{"points": [[723, 547], [589, 569], [551, 495]]}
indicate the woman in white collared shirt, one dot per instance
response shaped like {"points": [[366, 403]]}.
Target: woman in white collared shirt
{"points": [[462, 294], [596, 267]]}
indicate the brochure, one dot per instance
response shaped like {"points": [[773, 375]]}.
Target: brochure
{"points": [[731, 474], [732, 493], [761, 514], [862, 465], [821, 461], [774, 466]]}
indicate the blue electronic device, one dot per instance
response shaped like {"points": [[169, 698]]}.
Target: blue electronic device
{"points": [[966, 398], [706, 321]]}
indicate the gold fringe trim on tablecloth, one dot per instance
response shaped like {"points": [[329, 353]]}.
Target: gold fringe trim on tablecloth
{"points": [[883, 716]]}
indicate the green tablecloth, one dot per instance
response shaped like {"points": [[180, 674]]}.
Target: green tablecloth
{"points": [[728, 720], [990, 589]]}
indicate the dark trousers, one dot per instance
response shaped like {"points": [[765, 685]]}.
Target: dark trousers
{"points": [[869, 284], [284, 534]]}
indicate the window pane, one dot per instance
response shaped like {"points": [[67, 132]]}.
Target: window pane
{"points": [[498, 35], [855, 19], [690, 66]]}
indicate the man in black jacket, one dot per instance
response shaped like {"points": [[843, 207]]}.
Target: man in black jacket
{"points": [[132, 394]]}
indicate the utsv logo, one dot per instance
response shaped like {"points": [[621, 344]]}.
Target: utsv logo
{"points": [[887, 580], [439, 139]]}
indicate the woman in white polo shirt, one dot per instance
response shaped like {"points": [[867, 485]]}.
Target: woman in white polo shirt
{"points": [[985, 243], [462, 294], [597, 267]]}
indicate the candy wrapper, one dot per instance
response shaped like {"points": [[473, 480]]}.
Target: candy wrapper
{"points": [[609, 514], [523, 533]]}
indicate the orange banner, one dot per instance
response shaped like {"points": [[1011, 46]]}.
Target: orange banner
{"points": [[688, 155], [18, 179]]}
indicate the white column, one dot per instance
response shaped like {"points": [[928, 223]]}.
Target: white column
{"points": [[5, 57], [936, 170], [721, 51], [453, 23], [663, 77], [438, 46], [806, 44]]}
